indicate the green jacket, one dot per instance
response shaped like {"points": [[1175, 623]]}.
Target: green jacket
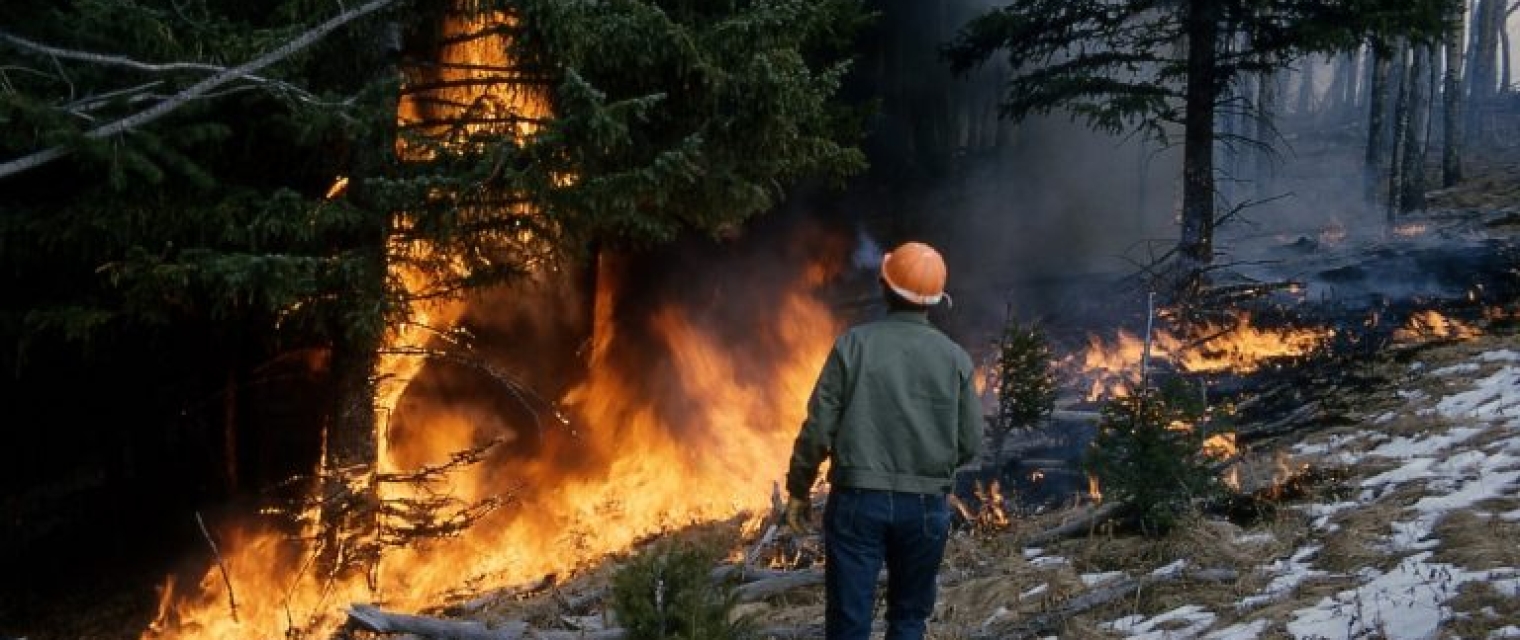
{"points": [[894, 409]]}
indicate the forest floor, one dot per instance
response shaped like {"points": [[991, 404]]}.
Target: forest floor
{"points": [[1402, 520], [1406, 523]]}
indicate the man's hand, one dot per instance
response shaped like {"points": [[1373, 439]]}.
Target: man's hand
{"points": [[797, 511]]}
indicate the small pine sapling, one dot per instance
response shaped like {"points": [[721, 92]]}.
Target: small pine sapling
{"points": [[667, 593], [1149, 455], [1026, 382]]}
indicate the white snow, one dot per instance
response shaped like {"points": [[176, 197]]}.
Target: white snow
{"points": [[1410, 601]]}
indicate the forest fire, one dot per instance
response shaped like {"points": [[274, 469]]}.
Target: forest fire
{"points": [[1113, 368], [697, 431], [628, 466]]}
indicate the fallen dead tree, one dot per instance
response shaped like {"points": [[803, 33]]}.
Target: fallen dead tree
{"points": [[1082, 523], [755, 584], [374, 619]]}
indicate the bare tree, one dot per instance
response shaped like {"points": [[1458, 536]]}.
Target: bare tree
{"points": [[1402, 82], [1451, 95], [1412, 184], [1377, 100]]}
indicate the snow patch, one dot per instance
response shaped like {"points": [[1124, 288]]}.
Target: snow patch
{"points": [[1183, 622]]}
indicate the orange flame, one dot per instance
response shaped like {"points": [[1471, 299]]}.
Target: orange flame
{"points": [[1113, 368], [1432, 325], [628, 468]]}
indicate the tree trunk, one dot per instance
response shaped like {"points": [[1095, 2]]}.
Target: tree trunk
{"points": [[1306, 88], [1451, 112], [1196, 247], [1502, 28], [1377, 99], [1342, 75], [350, 502], [1488, 18], [230, 430], [1396, 168], [349, 499], [1266, 110], [1353, 73], [1412, 185]]}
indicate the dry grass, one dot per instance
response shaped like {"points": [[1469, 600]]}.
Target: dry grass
{"points": [[1479, 610], [1476, 541], [1360, 534]]}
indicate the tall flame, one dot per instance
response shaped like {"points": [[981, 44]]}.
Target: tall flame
{"points": [[628, 466]]}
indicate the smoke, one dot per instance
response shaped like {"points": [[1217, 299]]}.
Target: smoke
{"points": [[868, 253]]}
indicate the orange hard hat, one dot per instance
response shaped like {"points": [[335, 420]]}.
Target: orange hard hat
{"points": [[916, 272]]}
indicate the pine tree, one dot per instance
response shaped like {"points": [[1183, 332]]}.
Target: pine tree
{"points": [[216, 221], [1149, 456], [1026, 384]]}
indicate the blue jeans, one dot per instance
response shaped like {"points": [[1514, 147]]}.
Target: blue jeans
{"points": [[863, 528]]}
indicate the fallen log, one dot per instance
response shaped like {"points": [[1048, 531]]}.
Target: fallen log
{"points": [[374, 619], [1077, 526], [762, 589], [1049, 622]]}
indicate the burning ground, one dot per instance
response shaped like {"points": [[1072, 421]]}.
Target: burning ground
{"points": [[1375, 435], [1376, 472]]}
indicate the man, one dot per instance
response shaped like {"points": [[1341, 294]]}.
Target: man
{"points": [[895, 412]]}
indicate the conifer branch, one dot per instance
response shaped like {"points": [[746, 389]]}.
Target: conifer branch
{"points": [[37, 159]]}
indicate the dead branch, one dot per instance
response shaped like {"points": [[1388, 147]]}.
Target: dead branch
{"points": [[245, 70], [222, 566], [107, 60], [1047, 623]]}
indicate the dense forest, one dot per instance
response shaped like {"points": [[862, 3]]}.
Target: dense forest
{"points": [[234, 233]]}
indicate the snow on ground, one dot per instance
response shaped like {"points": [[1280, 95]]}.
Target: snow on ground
{"points": [[1470, 453]]}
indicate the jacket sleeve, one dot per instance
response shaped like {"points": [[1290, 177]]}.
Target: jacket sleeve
{"points": [[968, 442], [815, 441]]}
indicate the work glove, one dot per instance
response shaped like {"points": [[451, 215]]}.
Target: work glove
{"points": [[797, 512]]}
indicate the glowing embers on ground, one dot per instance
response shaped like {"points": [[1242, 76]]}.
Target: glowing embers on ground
{"points": [[1111, 368]]}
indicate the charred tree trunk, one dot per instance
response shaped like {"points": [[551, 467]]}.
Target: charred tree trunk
{"points": [[1377, 100], [1412, 185], [1452, 103], [1196, 247]]}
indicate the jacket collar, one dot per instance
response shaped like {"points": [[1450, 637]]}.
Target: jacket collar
{"points": [[919, 317]]}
